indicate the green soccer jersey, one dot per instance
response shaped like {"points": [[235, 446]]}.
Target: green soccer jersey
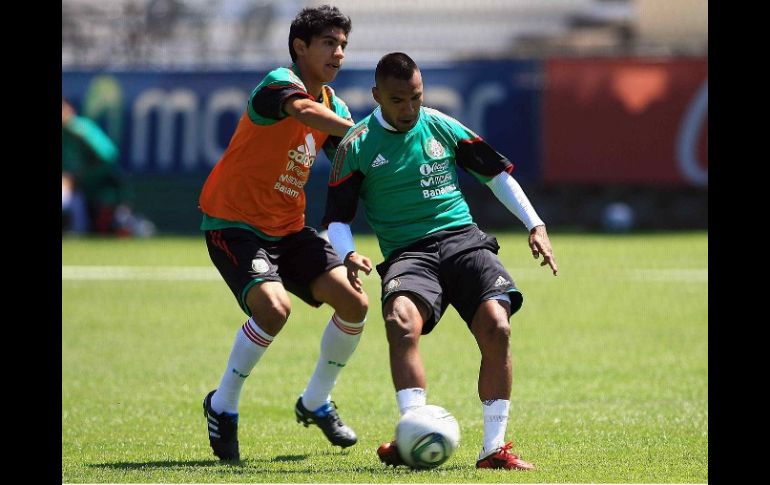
{"points": [[408, 180]]}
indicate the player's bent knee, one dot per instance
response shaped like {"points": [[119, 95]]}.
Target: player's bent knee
{"points": [[403, 320], [400, 329], [280, 310], [351, 306], [272, 314], [495, 331], [362, 303], [502, 330], [355, 309]]}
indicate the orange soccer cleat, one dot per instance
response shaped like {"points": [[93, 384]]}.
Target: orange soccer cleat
{"points": [[388, 454]]}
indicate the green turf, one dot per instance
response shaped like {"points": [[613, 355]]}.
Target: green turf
{"points": [[610, 363]]}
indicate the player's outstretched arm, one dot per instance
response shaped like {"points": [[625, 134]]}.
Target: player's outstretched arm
{"points": [[316, 115], [539, 243]]}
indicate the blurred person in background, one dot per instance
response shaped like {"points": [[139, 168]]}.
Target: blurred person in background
{"points": [[253, 205], [93, 188], [435, 255]]}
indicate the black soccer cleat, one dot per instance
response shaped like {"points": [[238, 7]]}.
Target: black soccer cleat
{"points": [[223, 431], [329, 421]]}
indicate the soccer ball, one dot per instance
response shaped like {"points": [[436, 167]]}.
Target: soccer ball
{"points": [[427, 436]]}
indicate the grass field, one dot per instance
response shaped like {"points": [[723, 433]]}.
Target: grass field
{"points": [[610, 369]]}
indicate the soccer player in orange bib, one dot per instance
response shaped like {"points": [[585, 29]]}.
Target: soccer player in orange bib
{"points": [[253, 206]]}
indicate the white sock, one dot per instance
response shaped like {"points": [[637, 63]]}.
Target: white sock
{"points": [[339, 341], [411, 397], [495, 422], [250, 343]]}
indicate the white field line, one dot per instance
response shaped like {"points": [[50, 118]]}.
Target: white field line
{"points": [[671, 274], [209, 273], [140, 273]]}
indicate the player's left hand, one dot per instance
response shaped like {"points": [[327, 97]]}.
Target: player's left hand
{"points": [[354, 263], [540, 244]]}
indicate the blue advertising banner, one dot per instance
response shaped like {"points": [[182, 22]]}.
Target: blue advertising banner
{"points": [[181, 122]]}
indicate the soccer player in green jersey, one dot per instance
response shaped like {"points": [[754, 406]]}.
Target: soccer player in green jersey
{"points": [[401, 161]]}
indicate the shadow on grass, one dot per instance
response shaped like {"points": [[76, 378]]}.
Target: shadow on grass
{"points": [[405, 470], [287, 458], [240, 466], [127, 465], [252, 465]]}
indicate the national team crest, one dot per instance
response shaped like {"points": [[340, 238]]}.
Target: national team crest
{"points": [[434, 148], [260, 266], [392, 285]]}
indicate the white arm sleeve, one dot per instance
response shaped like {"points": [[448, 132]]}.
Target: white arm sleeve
{"points": [[512, 196], [341, 238]]}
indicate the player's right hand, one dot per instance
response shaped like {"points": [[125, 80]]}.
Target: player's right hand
{"points": [[354, 263], [540, 244]]}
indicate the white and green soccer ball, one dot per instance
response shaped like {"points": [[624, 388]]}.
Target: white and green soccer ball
{"points": [[427, 436]]}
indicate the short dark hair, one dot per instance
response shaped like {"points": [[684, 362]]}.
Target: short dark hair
{"points": [[312, 21], [397, 65]]}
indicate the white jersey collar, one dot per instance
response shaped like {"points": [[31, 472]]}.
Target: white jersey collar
{"points": [[383, 123]]}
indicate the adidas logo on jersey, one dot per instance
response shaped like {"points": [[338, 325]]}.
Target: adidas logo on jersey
{"points": [[380, 160], [500, 281], [304, 155]]}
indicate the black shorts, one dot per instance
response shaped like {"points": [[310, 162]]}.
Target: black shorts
{"points": [[245, 259], [457, 266]]}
